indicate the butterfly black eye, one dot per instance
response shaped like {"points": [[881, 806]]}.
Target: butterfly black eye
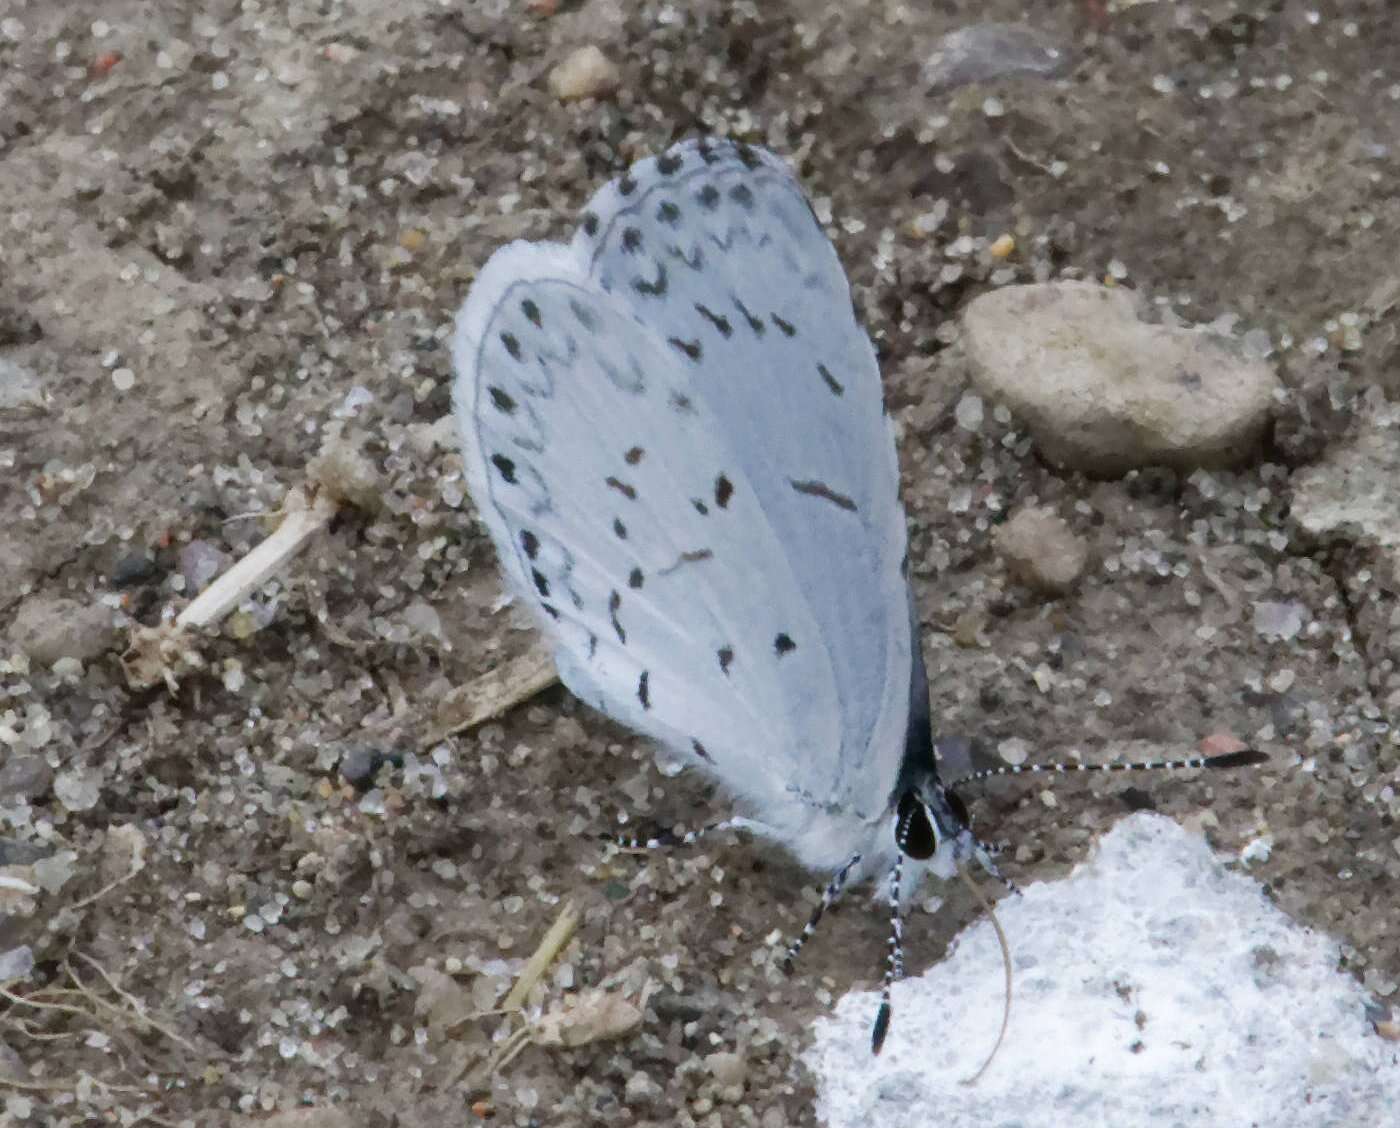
{"points": [[914, 833]]}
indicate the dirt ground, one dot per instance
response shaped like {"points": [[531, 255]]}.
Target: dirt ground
{"points": [[220, 219]]}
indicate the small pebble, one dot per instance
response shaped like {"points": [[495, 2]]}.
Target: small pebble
{"points": [[360, 765], [984, 51], [969, 413], [78, 789], [200, 562], [1042, 551], [1281, 621], [27, 777], [16, 964], [1354, 493], [641, 1091], [727, 1068], [49, 629], [586, 73], [132, 569]]}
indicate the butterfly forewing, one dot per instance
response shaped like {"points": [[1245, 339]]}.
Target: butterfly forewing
{"points": [[674, 433]]}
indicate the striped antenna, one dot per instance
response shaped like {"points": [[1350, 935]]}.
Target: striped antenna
{"points": [[1245, 758], [666, 839]]}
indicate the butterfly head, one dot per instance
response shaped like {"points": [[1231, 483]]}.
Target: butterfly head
{"points": [[932, 825]]}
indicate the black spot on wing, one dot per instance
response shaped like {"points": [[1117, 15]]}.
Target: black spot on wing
{"points": [[725, 654], [505, 466], [742, 195], [668, 213], [783, 644], [700, 507], [627, 491], [530, 543], [512, 345], [682, 403], [724, 490], [837, 388], [633, 456], [635, 579], [620, 529], [550, 609], [695, 260], [631, 240], [583, 315], [699, 750], [746, 155], [614, 604], [667, 163], [541, 582], [789, 330], [590, 224], [656, 287], [693, 557], [644, 689], [708, 197], [719, 321], [532, 313], [823, 491], [706, 151], [754, 323], [691, 349], [626, 186], [501, 400]]}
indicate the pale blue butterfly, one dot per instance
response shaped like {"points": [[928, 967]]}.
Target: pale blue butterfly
{"points": [[673, 428]]}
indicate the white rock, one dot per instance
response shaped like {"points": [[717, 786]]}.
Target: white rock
{"points": [[586, 73], [1042, 551], [986, 51], [1275, 620], [16, 964], [727, 1068], [1154, 986], [78, 789], [969, 412], [20, 387], [1103, 392]]}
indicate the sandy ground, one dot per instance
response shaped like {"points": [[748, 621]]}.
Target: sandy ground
{"points": [[216, 225]]}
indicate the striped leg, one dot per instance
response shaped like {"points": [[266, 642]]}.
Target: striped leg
{"points": [[894, 968], [986, 856], [829, 896]]}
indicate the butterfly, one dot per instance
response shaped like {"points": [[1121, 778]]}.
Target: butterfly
{"points": [[674, 430]]}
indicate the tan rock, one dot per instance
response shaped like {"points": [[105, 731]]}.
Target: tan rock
{"points": [[1104, 392], [586, 73], [1042, 551]]}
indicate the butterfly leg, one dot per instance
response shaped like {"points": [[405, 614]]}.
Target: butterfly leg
{"points": [[985, 856], [829, 896], [894, 967]]}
